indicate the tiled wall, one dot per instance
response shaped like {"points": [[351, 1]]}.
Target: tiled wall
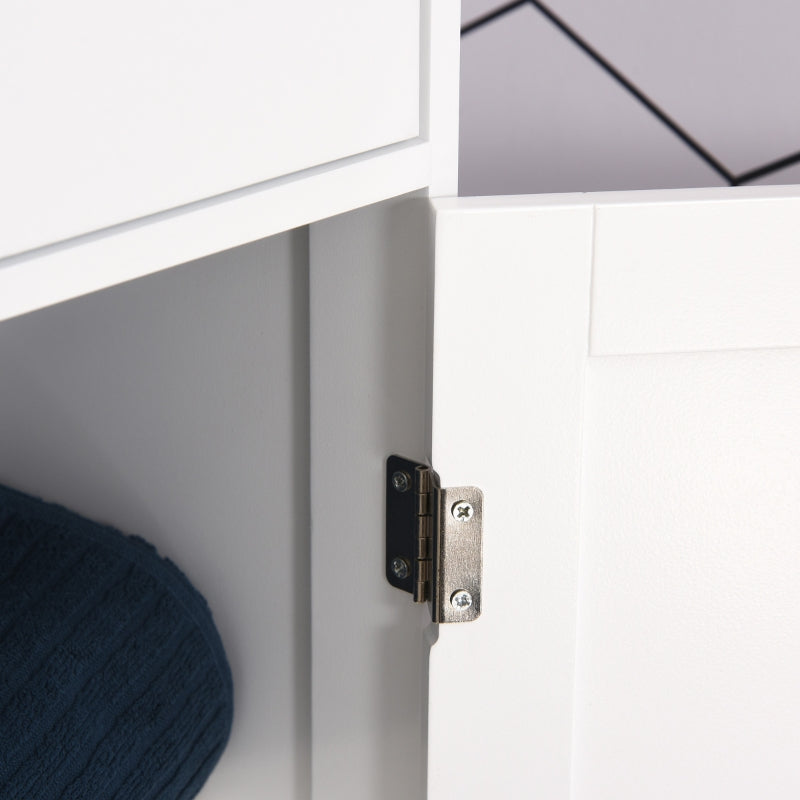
{"points": [[538, 114]]}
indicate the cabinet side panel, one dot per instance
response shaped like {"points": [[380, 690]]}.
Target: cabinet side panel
{"points": [[439, 95], [370, 350], [510, 344]]}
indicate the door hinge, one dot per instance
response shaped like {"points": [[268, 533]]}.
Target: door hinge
{"points": [[434, 540]]}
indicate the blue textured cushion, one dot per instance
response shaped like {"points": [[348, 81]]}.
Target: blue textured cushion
{"points": [[113, 679]]}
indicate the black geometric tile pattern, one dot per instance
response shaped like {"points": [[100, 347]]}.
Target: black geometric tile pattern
{"points": [[481, 25]]}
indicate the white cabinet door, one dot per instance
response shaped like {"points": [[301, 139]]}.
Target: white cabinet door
{"points": [[115, 111], [620, 374]]}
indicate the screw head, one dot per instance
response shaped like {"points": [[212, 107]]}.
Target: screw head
{"points": [[401, 481], [400, 567], [462, 511], [461, 600]]}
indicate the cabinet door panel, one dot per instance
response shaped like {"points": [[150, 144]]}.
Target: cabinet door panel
{"points": [[689, 605], [640, 601], [113, 112]]}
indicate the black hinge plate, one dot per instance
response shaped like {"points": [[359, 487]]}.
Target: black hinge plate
{"points": [[404, 478]]}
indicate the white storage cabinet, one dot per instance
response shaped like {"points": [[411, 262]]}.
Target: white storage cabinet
{"points": [[618, 373], [175, 403]]}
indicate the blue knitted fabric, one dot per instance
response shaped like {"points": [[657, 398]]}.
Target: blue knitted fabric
{"points": [[113, 680]]}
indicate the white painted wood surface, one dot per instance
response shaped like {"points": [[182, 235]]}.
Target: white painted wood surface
{"points": [[689, 610], [511, 323], [641, 602], [370, 288], [439, 90], [112, 113], [697, 275], [371, 272], [70, 269]]}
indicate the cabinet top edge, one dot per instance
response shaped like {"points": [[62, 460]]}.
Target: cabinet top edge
{"points": [[446, 205]]}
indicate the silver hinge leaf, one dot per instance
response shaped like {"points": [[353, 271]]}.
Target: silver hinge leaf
{"points": [[434, 540]]}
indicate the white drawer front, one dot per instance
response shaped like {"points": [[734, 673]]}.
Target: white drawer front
{"points": [[115, 111]]}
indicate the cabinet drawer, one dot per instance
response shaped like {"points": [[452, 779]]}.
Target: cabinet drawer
{"points": [[116, 111]]}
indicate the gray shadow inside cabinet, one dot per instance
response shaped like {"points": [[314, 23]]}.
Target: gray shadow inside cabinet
{"points": [[175, 407]]}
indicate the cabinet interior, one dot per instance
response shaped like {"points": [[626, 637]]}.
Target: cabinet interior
{"points": [[176, 407]]}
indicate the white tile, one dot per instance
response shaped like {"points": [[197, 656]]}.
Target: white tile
{"points": [[537, 115], [727, 72], [472, 9]]}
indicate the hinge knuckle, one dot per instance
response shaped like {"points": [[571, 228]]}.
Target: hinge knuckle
{"points": [[423, 504]]}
